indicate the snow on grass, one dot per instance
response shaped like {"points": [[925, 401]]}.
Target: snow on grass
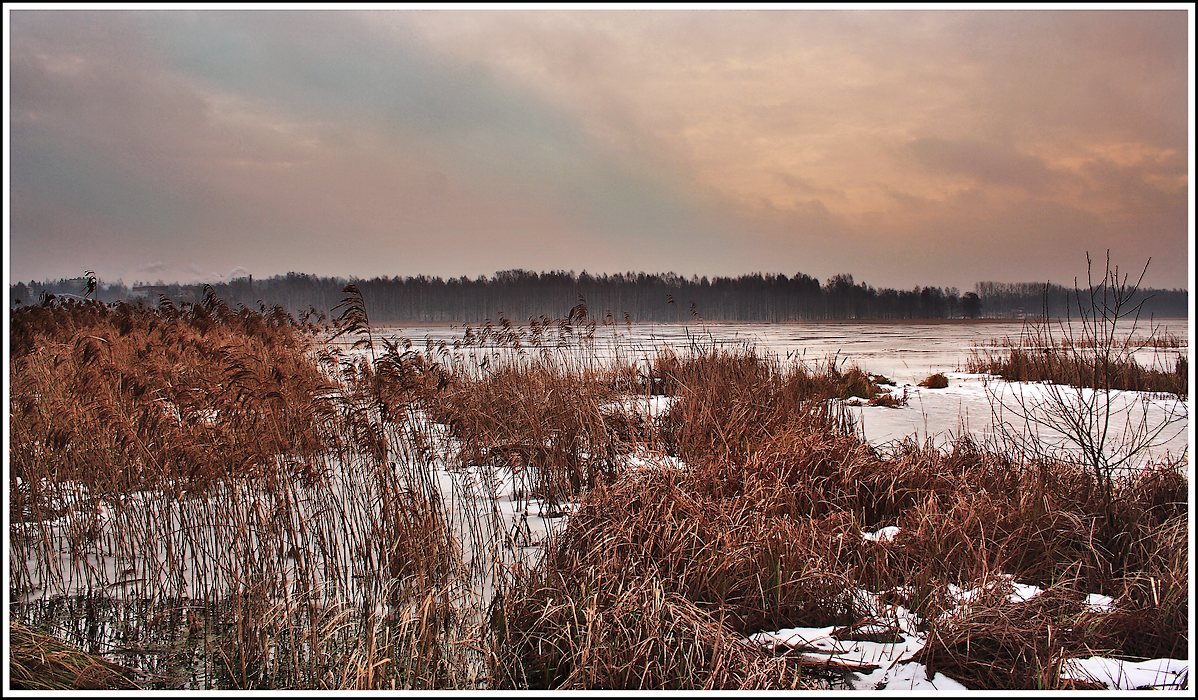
{"points": [[1118, 674], [883, 665], [885, 534], [888, 664], [973, 404], [1020, 592], [906, 676], [644, 460], [1024, 592], [650, 406]]}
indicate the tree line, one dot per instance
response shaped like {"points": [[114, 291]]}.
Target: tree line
{"points": [[634, 296]]}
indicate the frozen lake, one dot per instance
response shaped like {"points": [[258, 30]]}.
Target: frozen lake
{"points": [[905, 352]]}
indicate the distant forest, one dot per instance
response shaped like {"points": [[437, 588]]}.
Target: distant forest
{"points": [[520, 294]]}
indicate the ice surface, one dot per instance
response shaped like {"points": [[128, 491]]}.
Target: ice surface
{"points": [[905, 352]]}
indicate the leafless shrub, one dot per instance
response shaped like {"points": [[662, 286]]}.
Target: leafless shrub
{"points": [[1087, 419]]}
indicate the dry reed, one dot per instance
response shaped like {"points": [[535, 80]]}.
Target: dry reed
{"points": [[243, 505]]}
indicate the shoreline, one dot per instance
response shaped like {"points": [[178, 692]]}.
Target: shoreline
{"points": [[814, 322]]}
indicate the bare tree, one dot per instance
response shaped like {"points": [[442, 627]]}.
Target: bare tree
{"points": [[1082, 414]]}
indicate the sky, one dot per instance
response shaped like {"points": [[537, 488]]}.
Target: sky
{"points": [[902, 147]]}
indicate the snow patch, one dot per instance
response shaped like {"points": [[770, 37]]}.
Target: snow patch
{"points": [[650, 406], [885, 534], [907, 676], [1117, 674]]}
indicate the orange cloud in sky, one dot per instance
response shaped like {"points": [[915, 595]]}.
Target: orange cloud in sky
{"points": [[880, 121], [904, 147]]}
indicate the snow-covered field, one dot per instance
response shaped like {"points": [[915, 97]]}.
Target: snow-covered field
{"points": [[983, 406]]}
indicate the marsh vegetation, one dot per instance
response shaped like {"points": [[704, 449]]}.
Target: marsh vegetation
{"points": [[206, 496]]}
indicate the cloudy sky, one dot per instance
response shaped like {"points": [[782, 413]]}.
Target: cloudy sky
{"points": [[903, 147]]}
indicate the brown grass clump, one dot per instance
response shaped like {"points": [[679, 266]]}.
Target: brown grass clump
{"points": [[1151, 612], [605, 629], [856, 383], [661, 572], [551, 424], [889, 400], [997, 644], [726, 403], [975, 512], [200, 453], [185, 396], [775, 542], [38, 661], [1062, 366], [754, 569], [731, 402], [935, 381]]}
